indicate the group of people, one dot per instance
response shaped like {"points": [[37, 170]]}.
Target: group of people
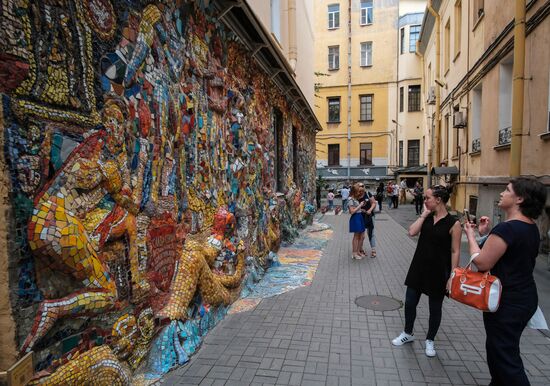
{"points": [[509, 251], [361, 205]]}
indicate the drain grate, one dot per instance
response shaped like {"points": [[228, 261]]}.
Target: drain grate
{"points": [[378, 303]]}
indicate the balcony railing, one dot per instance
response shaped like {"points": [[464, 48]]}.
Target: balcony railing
{"points": [[476, 145], [505, 136]]}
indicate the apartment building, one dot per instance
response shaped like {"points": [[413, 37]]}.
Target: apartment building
{"points": [[470, 90], [368, 83]]}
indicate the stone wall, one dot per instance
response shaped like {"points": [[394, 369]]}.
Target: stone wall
{"points": [[141, 143]]}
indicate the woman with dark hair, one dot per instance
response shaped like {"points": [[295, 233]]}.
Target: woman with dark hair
{"points": [[437, 253], [510, 253], [380, 195]]}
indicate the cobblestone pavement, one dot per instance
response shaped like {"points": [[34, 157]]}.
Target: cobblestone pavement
{"points": [[317, 335]]}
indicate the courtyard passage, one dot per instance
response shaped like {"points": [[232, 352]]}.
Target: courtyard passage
{"points": [[317, 335]]}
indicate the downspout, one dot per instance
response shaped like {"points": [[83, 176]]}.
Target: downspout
{"points": [[349, 90], [424, 87], [433, 153], [292, 47], [517, 89], [397, 93]]}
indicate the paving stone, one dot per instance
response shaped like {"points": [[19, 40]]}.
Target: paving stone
{"points": [[316, 335]]}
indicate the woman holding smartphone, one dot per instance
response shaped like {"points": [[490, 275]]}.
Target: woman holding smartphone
{"points": [[437, 253]]}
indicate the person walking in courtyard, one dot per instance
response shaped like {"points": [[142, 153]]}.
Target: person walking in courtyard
{"points": [[510, 253], [437, 253], [345, 197], [330, 199], [356, 221], [403, 191], [418, 194], [389, 194], [395, 195], [380, 195]]}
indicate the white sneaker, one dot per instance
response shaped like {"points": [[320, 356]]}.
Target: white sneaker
{"points": [[402, 339], [430, 348]]}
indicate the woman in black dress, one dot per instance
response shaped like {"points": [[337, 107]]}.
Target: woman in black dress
{"points": [[437, 253], [510, 252]]}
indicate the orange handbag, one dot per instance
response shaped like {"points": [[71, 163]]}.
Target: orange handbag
{"points": [[480, 290]]}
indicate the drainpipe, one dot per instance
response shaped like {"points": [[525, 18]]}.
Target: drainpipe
{"points": [[433, 153], [349, 89], [517, 89], [397, 92], [292, 47]]}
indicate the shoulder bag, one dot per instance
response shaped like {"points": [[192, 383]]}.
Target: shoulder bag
{"points": [[480, 290]]}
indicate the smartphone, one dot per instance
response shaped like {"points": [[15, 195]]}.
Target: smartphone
{"points": [[467, 214]]}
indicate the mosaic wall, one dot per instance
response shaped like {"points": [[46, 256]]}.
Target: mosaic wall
{"points": [[140, 143]]}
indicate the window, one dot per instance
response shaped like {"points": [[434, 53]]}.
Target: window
{"points": [[401, 99], [414, 97], [476, 117], [478, 10], [366, 54], [366, 12], [414, 34], [458, 26], [334, 16], [333, 57], [334, 155], [365, 153], [413, 152], [365, 111], [447, 45], [334, 110], [505, 96], [400, 153], [402, 48]]}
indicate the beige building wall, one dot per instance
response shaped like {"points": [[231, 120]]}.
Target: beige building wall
{"points": [[476, 79], [276, 18]]}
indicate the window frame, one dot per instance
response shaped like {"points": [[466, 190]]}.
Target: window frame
{"points": [[366, 117], [402, 41], [366, 52], [458, 28], [416, 33], [364, 12], [333, 16], [331, 148], [334, 62], [365, 160], [338, 101], [401, 99], [413, 98], [410, 148]]}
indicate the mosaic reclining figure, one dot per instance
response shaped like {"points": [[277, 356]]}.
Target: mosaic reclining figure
{"points": [[84, 205]]}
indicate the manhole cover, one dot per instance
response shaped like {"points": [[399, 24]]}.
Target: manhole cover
{"points": [[378, 303]]}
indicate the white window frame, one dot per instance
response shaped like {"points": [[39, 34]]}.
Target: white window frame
{"points": [[366, 54], [333, 16], [417, 36], [367, 10], [334, 58], [366, 107]]}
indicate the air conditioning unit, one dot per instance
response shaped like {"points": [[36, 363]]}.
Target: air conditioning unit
{"points": [[459, 120], [431, 96]]}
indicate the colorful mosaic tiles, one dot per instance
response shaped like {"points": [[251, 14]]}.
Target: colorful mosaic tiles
{"points": [[141, 149]]}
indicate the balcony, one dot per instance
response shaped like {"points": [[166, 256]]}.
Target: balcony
{"points": [[504, 136], [476, 145]]}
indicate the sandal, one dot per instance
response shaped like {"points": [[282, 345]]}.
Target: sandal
{"points": [[373, 254]]}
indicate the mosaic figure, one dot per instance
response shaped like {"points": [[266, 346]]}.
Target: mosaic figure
{"points": [[85, 205], [195, 272]]}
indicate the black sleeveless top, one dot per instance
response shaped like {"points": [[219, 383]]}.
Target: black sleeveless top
{"points": [[431, 265]]}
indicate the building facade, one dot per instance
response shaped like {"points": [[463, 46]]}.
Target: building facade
{"points": [[363, 60], [468, 83]]}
